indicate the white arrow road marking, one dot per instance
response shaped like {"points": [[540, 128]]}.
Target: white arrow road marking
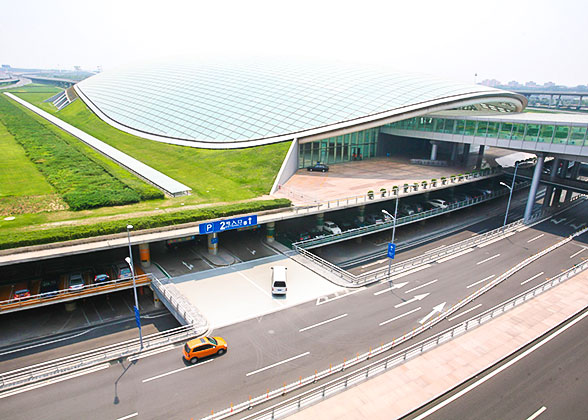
{"points": [[395, 286], [535, 238], [414, 299], [438, 308], [421, 286], [558, 221], [400, 316]]}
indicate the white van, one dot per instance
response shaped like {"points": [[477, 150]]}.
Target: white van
{"points": [[279, 286]]}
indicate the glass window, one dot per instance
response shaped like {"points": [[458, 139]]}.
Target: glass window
{"points": [[460, 127], [561, 134], [449, 126], [532, 132], [505, 130], [470, 128], [427, 124], [492, 129], [577, 136], [546, 133], [518, 132], [482, 128]]}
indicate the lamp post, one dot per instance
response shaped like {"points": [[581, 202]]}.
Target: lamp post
{"points": [[511, 188], [129, 261], [393, 231]]}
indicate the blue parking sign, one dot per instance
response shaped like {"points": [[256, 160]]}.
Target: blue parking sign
{"points": [[391, 250], [227, 224], [137, 316]]}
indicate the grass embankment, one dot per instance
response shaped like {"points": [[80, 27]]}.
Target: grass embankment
{"points": [[81, 181]]}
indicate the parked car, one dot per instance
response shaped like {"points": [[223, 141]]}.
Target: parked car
{"points": [[21, 291], [76, 282], [318, 167], [123, 271], [438, 203], [49, 288], [279, 282], [418, 207], [331, 227], [405, 210], [101, 278], [374, 218], [346, 225], [303, 236], [199, 348]]}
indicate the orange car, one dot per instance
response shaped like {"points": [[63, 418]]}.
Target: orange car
{"points": [[203, 347]]}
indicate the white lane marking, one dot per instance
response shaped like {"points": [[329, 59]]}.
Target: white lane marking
{"points": [[130, 416], [414, 299], [322, 323], [44, 343], [480, 281], [537, 413], [176, 371], [422, 285], [54, 381], [395, 286], [374, 263], [579, 252], [327, 300], [438, 308], [488, 259], [535, 238], [400, 316], [496, 239], [558, 221], [532, 278], [265, 292], [152, 352], [500, 369], [459, 254], [577, 227], [277, 364], [465, 312]]}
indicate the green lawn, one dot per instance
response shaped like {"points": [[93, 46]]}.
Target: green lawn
{"points": [[213, 175]]}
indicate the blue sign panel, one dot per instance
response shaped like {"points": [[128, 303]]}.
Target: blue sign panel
{"points": [[137, 317], [391, 250], [222, 225], [214, 241]]}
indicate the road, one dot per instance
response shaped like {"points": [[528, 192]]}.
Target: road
{"points": [[280, 347], [545, 380]]}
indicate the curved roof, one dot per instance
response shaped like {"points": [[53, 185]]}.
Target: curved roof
{"points": [[246, 103]]}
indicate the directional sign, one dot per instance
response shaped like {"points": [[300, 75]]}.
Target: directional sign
{"points": [[137, 317], [222, 225], [391, 250]]}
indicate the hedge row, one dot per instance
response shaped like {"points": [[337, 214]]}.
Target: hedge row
{"points": [[37, 237], [81, 181]]}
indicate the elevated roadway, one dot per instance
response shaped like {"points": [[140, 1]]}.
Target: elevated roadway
{"points": [[268, 351]]}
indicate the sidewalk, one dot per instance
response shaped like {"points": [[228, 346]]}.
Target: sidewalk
{"points": [[407, 387]]}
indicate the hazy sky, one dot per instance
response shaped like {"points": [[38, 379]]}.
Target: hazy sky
{"points": [[537, 40]]}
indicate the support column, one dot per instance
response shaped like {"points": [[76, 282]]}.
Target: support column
{"points": [[145, 255], [534, 186], [212, 239], [156, 302], [573, 175], [361, 214], [434, 146], [480, 157], [270, 231], [466, 154], [453, 152], [320, 221], [549, 190]]}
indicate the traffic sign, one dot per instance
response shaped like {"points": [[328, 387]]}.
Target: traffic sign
{"points": [[391, 250], [222, 225], [137, 317]]}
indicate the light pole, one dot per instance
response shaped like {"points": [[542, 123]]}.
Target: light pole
{"points": [[511, 188], [393, 232], [129, 261]]}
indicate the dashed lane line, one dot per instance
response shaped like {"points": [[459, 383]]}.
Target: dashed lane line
{"points": [[537, 413], [130, 416], [322, 323], [480, 281], [422, 285], [278, 363], [497, 239], [176, 371], [488, 259], [535, 238], [465, 312], [579, 252], [400, 316], [532, 278]]}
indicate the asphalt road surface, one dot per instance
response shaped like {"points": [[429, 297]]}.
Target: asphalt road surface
{"points": [[280, 347]]}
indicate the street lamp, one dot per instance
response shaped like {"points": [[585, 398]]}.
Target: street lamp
{"points": [[129, 261], [393, 231], [511, 188]]}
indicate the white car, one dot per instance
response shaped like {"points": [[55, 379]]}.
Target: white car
{"points": [[279, 285], [76, 281], [373, 219], [438, 203], [331, 228]]}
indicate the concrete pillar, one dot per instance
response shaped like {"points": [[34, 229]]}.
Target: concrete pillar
{"points": [[70, 306], [212, 243], [361, 214], [156, 302], [320, 221], [453, 152], [573, 175], [480, 157], [534, 185], [433, 150], [270, 229], [556, 197], [466, 154], [145, 255], [549, 190]]}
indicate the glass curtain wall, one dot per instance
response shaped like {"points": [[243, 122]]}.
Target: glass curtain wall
{"points": [[353, 146]]}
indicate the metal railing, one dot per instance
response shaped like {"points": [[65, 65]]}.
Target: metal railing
{"points": [[402, 190], [177, 303], [429, 162], [337, 385]]}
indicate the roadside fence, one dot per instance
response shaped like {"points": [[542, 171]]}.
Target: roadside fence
{"points": [[335, 386]]}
